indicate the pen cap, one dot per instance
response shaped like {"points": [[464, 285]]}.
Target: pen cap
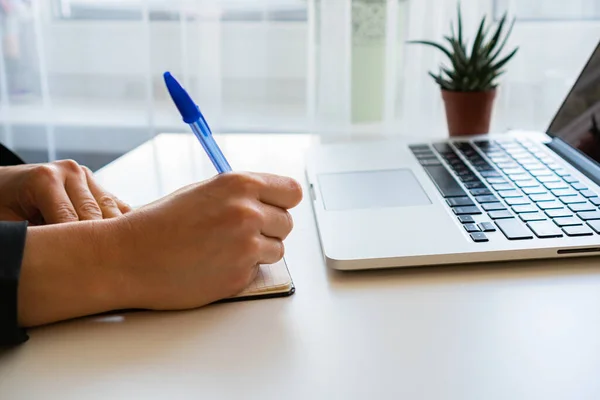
{"points": [[186, 106]]}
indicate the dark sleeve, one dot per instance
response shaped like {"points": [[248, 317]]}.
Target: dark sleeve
{"points": [[12, 244], [7, 157]]}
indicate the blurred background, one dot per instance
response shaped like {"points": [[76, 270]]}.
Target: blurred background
{"points": [[82, 79]]}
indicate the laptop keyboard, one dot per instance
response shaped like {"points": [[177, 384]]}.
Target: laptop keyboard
{"points": [[511, 186]]}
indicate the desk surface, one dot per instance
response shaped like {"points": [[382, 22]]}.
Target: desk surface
{"points": [[506, 331]]}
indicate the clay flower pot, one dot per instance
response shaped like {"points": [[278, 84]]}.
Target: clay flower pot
{"points": [[468, 113]]}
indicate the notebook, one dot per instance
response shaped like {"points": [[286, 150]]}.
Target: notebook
{"points": [[272, 280]]}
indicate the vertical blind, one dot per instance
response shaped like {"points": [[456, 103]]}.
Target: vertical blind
{"points": [[82, 79]]}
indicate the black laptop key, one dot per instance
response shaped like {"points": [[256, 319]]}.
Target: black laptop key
{"points": [[493, 206], [525, 208], [479, 237], [542, 197], [445, 182], [567, 221], [595, 225], [532, 217], [460, 201], [487, 227], [580, 207], [570, 179], [500, 214], [417, 147], [561, 212], [480, 191], [466, 219], [486, 199], [469, 178], [471, 228], [463, 172], [579, 186], [588, 193], [545, 229], [468, 210], [502, 186], [580, 230], [514, 229], [475, 185], [430, 161], [443, 148], [589, 215], [595, 201]]}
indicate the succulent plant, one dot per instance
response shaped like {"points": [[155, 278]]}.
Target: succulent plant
{"points": [[475, 69]]}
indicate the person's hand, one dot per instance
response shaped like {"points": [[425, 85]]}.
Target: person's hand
{"points": [[204, 242], [61, 191]]}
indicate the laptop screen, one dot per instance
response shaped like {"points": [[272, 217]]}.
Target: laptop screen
{"points": [[577, 122]]}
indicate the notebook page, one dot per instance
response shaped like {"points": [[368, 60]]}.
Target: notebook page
{"points": [[270, 277]]}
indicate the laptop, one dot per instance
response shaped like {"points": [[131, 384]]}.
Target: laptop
{"points": [[510, 196]]}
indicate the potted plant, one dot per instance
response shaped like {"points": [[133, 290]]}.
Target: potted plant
{"points": [[469, 83]]}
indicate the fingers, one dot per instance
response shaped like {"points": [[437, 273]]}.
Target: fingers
{"points": [[280, 191], [82, 198], [110, 206], [277, 222], [54, 203], [272, 250]]}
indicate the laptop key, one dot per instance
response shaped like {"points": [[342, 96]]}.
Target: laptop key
{"points": [[579, 207], [556, 185], [525, 208], [469, 210], [418, 147], [493, 206], [527, 184], [514, 229], [519, 177], [466, 219], [589, 215], [545, 229], [486, 199], [509, 193], [535, 190], [542, 197], [429, 161], [515, 201], [567, 221], [480, 192], [500, 214], [580, 230], [474, 185], [595, 225], [564, 192], [572, 199], [579, 186], [460, 201], [490, 174], [471, 228], [445, 182], [595, 201], [550, 205], [532, 217], [548, 178], [502, 186], [588, 193], [542, 172], [493, 181], [570, 179], [487, 227], [562, 212], [479, 237]]}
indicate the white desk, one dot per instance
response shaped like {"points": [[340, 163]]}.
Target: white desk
{"points": [[504, 331]]}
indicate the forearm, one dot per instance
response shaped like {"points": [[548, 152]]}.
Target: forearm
{"points": [[70, 270]]}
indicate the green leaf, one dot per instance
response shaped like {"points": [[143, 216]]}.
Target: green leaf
{"points": [[494, 41], [460, 36], [460, 60], [441, 81], [499, 50], [506, 59], [478, 39], [433, 44]]}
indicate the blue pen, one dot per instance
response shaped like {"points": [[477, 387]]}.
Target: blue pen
{"points": [[193, 117]]}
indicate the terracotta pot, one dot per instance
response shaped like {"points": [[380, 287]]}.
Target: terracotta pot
{"points": [[468, 113]]}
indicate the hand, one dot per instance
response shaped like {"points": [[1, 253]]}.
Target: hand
{"points": [[62, 191], [205, 242]]}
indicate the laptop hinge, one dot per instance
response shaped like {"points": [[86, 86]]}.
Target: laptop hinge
{"points": [[578, 160]]}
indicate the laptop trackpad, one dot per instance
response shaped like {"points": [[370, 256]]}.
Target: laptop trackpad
{"points": [[371, 189]]}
